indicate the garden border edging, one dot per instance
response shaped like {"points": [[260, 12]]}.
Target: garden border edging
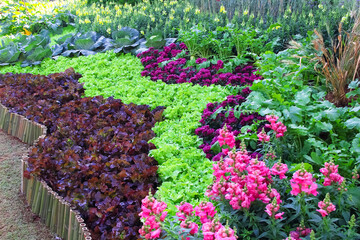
{"points": [[54, 211]]}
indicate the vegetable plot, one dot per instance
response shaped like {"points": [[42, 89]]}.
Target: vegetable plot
{"points": [[96, 152]]}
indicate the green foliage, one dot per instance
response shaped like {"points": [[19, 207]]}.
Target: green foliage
{"points": [[165, 15], [125, 40], [156, 40], [29, 50], [317, 130], [104, 2], [183, 168], [221, 43], [34, 16], [294, 16]]}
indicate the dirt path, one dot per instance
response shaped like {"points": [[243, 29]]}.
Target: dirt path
{"points": [[16, 220]]}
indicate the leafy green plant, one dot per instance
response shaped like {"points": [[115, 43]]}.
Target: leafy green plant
{"points": [[125, 40], [156, 40], [82, 44], [29, 50], [9, 51]]}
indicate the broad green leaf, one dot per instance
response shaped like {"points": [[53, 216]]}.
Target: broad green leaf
{"points": [[353, 123]]}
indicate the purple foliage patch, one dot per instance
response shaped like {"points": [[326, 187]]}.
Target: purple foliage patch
{"points": [[214, 119], [176, 72]]}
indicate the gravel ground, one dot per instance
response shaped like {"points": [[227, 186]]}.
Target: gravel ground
{"points": [[16, 219]]}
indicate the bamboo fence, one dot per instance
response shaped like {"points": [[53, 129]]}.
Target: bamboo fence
{"points": [[53, 210]]}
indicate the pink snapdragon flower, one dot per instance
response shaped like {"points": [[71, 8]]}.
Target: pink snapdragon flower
{"points": [[226, 138], [210, 228], [330, 171], [300, 231], [263, 137], [278, 127], [242, 180], [271, 118], [326, 206], [225, 233], [152, 215], [279, 169], [272, 208], [302, 181], [185, 210], [205, 211], [194, 228]]}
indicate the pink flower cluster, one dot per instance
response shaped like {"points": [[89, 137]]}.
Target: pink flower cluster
{"points": [[153, 215], [301, 231], [279, 169], [278, 127], [326, 206], [212, 229], [226, 138], [263, 137], [243, 180], [185, 211], [273, 207], [330, 171], [302, 181]]}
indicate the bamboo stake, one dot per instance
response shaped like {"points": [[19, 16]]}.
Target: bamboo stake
{"points": [[42, 201], [2, 120], [50, 206], [29, 190], [66, 220], [22, 176], [6, 121], [81, 231], [25, 130], [75, 235], [21, 129], [60, 218], [35, 205], [72, 220], [11, 116], [53, 223], [45, 206]]}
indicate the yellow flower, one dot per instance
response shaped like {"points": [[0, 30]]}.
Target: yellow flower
{"points": [[171, 17], [245, 12], [164, 12], [108, 30], [144, 8], [172, 3], [142, 32], [187, 9], [275, 28], [197, 11], [172, 11], [26, 32], [217, 19], [222, 9], [87, 20]]}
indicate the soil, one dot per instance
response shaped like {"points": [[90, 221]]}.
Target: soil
{"points": [[16, 219]]}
